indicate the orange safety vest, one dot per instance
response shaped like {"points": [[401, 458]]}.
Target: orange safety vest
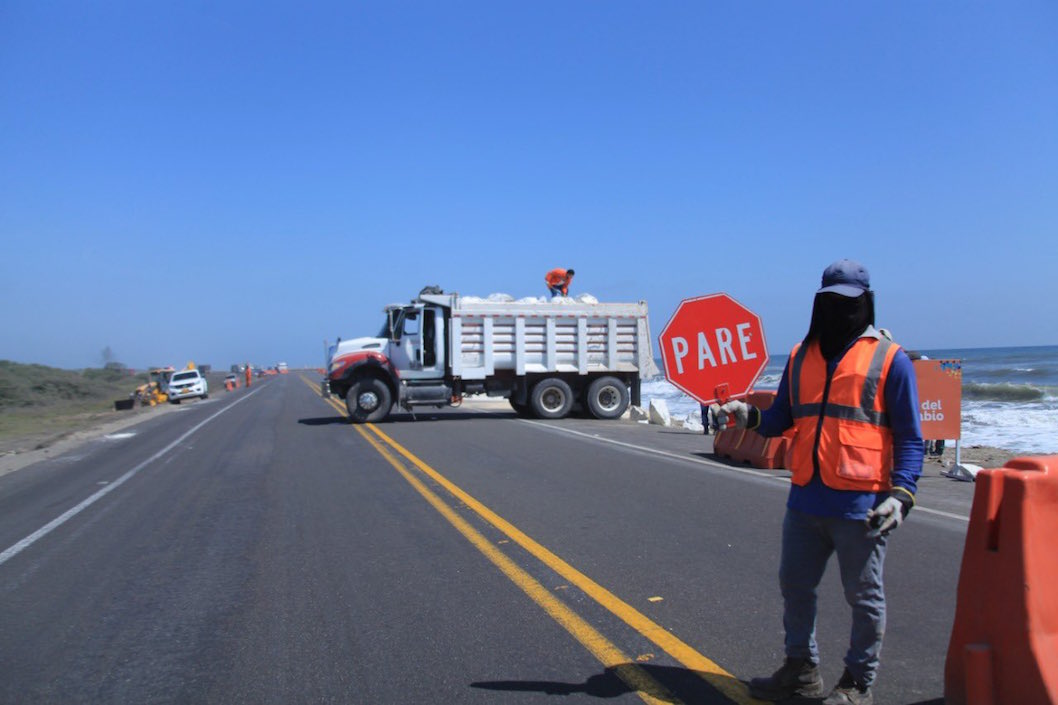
{"points": [[842, 421], [558, 277]]}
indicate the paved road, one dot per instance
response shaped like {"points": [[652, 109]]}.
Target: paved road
{"points": [[255, 548]]}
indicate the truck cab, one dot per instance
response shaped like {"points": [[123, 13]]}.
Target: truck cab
{"points": [[416, 345]]}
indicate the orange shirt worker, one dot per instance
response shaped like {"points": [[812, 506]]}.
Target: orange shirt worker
{"points": [[558, 281]]}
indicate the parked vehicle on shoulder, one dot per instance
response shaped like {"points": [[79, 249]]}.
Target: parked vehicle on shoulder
{"points": [[187, 383]]}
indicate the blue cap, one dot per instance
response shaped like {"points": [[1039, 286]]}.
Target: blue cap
{"points": [[847, 278]]}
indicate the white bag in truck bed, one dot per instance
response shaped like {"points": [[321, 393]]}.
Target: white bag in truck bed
{"points": [[529, 338]]}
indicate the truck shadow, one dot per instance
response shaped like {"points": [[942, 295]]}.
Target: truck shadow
{"points": [[414, 418], [324, 421], [439, 415]]}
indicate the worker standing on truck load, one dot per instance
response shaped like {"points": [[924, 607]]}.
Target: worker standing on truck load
{"points": [[850, 395], [558, 281]]}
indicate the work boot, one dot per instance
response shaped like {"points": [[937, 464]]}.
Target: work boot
{"points": [[797, 676], [849, 692]]}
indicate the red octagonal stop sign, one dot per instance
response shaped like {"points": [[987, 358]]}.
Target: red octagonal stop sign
{"points": [[713, 348]]}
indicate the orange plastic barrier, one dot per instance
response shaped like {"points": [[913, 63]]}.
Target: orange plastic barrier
{"points": [[749, 446], [772, 455], [725, 440], [761, 400], [1004, 642]]}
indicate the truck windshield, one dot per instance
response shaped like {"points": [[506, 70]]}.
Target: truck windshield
{"points": [[391, 323]]}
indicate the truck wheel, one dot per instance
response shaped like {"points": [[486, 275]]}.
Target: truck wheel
{"points": [[368, 400], [551, 399], [607, 398]]}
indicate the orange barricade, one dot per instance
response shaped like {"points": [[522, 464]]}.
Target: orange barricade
{"points": [[726, 440], [749, 446], [1004, 642], [772, 455], [760, 452], [761, 400]]}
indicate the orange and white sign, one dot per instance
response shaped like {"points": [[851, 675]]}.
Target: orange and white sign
{"points": [[939, 398]]}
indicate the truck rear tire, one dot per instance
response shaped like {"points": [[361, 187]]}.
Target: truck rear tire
{"points": [[368, 400], [607, 398], [551, 399]]}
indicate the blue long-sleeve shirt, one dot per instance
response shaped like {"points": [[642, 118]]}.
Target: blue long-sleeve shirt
{"points": [[901, 401]]}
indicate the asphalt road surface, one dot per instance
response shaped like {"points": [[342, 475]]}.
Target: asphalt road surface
{"points": [[256, 548]]}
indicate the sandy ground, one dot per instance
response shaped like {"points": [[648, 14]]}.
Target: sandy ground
{"points": [[17, 453], [984, 456]]}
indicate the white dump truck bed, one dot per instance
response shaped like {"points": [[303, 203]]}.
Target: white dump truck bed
{"points": [[528, 338]]}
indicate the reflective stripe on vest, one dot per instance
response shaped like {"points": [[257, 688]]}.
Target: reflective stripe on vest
{"points": [[865, 412], [849, 429]]}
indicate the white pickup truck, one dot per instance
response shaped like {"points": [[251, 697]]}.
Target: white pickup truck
{"points": [[187, 383], [544, 357]]}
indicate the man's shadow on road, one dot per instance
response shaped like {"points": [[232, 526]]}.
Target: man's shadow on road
{"points": [[677, 685]]}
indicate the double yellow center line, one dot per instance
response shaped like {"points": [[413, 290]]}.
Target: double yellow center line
{"points": [[648, 689]]}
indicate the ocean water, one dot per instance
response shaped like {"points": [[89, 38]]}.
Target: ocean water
{"points": [[1009, 395]]}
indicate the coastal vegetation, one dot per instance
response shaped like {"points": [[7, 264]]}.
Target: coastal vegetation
{"points": [[39, 404]]}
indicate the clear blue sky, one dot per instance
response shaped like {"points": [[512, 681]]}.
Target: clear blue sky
{"points": [[230, 181]]}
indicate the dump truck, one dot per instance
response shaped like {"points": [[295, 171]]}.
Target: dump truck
{"points": [[546, 358]]}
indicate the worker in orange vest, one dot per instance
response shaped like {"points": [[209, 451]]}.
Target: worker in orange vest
{"points": [[850, 396], [249, 374], [558, 281]]}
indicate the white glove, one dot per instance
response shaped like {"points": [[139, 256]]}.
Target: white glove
{"points": [[885, 517], [737, 410]]}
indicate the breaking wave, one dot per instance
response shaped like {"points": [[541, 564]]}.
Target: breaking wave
{"points": [[1002, 392]]}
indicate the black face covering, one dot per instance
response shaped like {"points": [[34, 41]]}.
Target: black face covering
{"points": [[837, 320]]}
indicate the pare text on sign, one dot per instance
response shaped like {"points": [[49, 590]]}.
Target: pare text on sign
{"points": [[724, 343]]}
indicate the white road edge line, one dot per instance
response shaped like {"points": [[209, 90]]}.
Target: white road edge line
{"points": [[74, 511], [710, 463]]}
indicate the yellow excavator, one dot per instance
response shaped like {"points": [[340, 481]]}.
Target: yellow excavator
{"points": [[155, 390]]}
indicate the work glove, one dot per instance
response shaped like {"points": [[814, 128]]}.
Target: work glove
{"points": [[745, 416], [888, 515]]}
